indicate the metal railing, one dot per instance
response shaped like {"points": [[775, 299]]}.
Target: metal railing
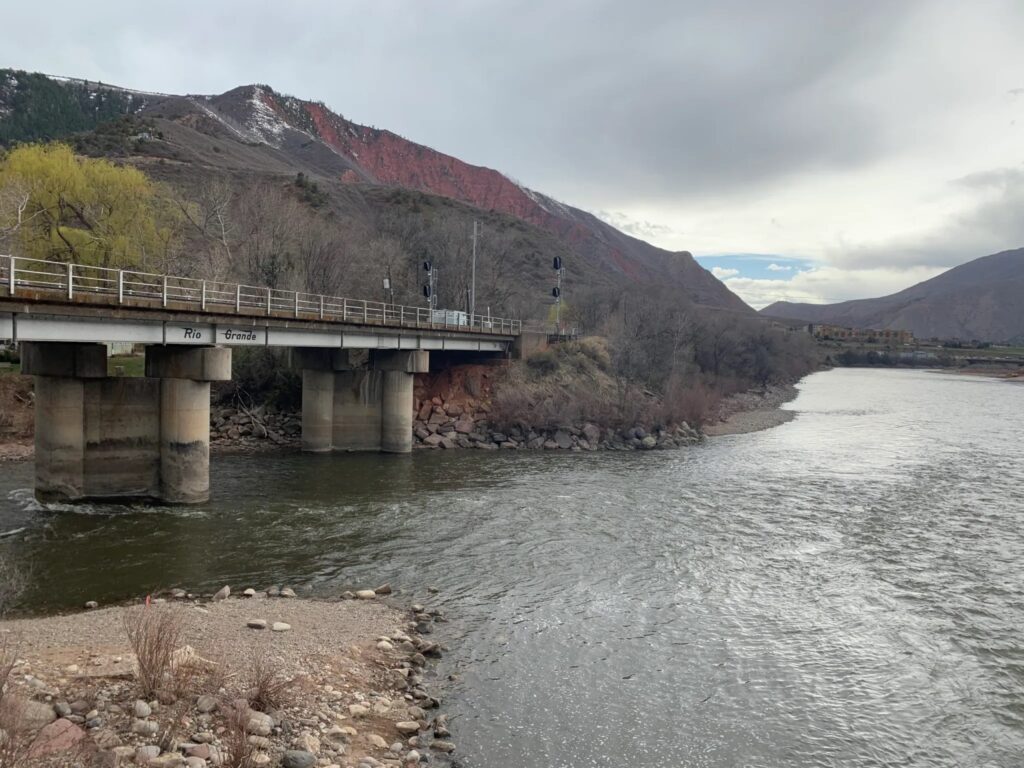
{"points": [[144, 289]]}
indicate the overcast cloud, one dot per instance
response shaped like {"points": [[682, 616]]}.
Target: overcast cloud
{"points": [[879, 140]]}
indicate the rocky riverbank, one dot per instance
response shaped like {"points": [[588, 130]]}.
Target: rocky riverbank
{"points": [[753, 411], [264, 679]]}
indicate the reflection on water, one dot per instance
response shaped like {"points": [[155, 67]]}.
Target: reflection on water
{"points": [[841, 590]]}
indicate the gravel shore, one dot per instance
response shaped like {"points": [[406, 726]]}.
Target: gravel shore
{"points": [[753, 411]]}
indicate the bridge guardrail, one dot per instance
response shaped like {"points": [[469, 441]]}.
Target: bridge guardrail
{"points": [[167, 291]]}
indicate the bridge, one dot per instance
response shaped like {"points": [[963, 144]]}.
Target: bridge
{"points": [[100, 437]]}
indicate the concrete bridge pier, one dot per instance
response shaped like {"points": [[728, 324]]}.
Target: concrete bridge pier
{"points": [[185, 374], [354, 403], [123, 438]]}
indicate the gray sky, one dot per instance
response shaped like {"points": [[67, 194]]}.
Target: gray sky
{"points": [[861, 146]]}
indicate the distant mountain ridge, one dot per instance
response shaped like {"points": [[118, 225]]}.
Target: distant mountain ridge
{"points": [[982, 299], [278, 133]]}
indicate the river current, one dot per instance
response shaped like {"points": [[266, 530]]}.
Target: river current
{"points": [[843, 590]]}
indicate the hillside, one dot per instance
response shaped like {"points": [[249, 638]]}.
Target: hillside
{"points": [[254, 131], [977, 300]]}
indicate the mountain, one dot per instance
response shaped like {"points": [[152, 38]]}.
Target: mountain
{"points": [[254, 129], [980, 300]]}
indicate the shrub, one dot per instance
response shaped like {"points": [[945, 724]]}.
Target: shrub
{"points": [[153, 635], [267, 687], [543, 363]]}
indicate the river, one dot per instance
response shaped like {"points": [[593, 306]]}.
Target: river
{"points": [[845, 589]]}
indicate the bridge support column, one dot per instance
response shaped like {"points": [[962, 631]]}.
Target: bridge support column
{"points": [[351, 404], [397, 396], [62, 372], [185, 374], [317, 410]]}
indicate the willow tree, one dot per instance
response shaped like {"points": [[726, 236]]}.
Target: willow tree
{"points": [[54, 205]]}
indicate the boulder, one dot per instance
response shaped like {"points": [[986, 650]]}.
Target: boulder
{"points": [[464, 426], [223, 593], [563, 439], [648, 442], [58, 736]]}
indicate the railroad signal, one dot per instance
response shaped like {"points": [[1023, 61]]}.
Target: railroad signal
{"points": [[556, 264], [430, 288], [556, 291]]}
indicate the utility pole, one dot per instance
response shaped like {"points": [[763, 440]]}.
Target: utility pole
{"points": [[472, 279], [557, 293]]}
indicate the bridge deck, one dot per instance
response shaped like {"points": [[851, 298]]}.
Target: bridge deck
{"points": [[55, 301]]}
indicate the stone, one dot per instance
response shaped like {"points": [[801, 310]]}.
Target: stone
{"points": [[142, 710], [383, 589], [195, 762], [307, 742], [62, 708], [408, 727], [337, 735], [562, 439], [261, 759], [648, 442], [384, 645], [250, 592], [206, 703], [223, 593], [442, 746], [260, 742], [280, 626], [204, 737], [592, 433], [201, 751], [144, 754], [58, 736], [464, 426], [297, 758], [377, 741], [358, 710], [92, 605], [256, 623], [36, 714], [412, 757], [274, 591], [260, 724], [145, 727], [366, 594], [288, 592], [167, 760]]}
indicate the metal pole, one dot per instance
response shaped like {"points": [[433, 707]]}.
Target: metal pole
{"points": [[202, 297], [120, 286], [238, 298], [10, 277], [472, 279], [164, 297], [296, 303], [71, 280], [321, 306], [268, 301]]}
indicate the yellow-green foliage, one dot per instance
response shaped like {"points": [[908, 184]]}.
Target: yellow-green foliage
{"points": [[82, 209]]}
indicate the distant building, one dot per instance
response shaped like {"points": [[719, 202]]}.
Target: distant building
{"points": [[860, 335]]}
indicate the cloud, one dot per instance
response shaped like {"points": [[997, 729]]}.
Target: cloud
{"points": [[826, 285], [724, 273], [645, 230], [773, 267]]}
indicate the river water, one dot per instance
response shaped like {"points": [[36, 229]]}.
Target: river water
{"points": [[845, 589]]}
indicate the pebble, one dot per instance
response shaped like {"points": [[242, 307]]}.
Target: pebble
{"points": [[408, 727], [259, 724], [385, 645], [377, 741], [383, 589], [141, 709], [274, 591], [145, 727], [442, 746], [280, 626], [92, 605], [358, 710], [206, 703], [256, 623], [144, 754], [250, 592], [297, 758], [412, 756], [223, 593], [195, 762], [288, 592], [366, 594]]}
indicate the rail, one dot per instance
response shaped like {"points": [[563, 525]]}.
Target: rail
{"points": [[126, 286]]}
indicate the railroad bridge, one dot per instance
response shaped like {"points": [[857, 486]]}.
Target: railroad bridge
{"points": [[100, 437]]}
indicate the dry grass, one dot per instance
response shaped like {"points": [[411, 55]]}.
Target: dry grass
{"points": [[237, 751], [12, 582], [14, 735], [266, 686], [154, 635]]}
